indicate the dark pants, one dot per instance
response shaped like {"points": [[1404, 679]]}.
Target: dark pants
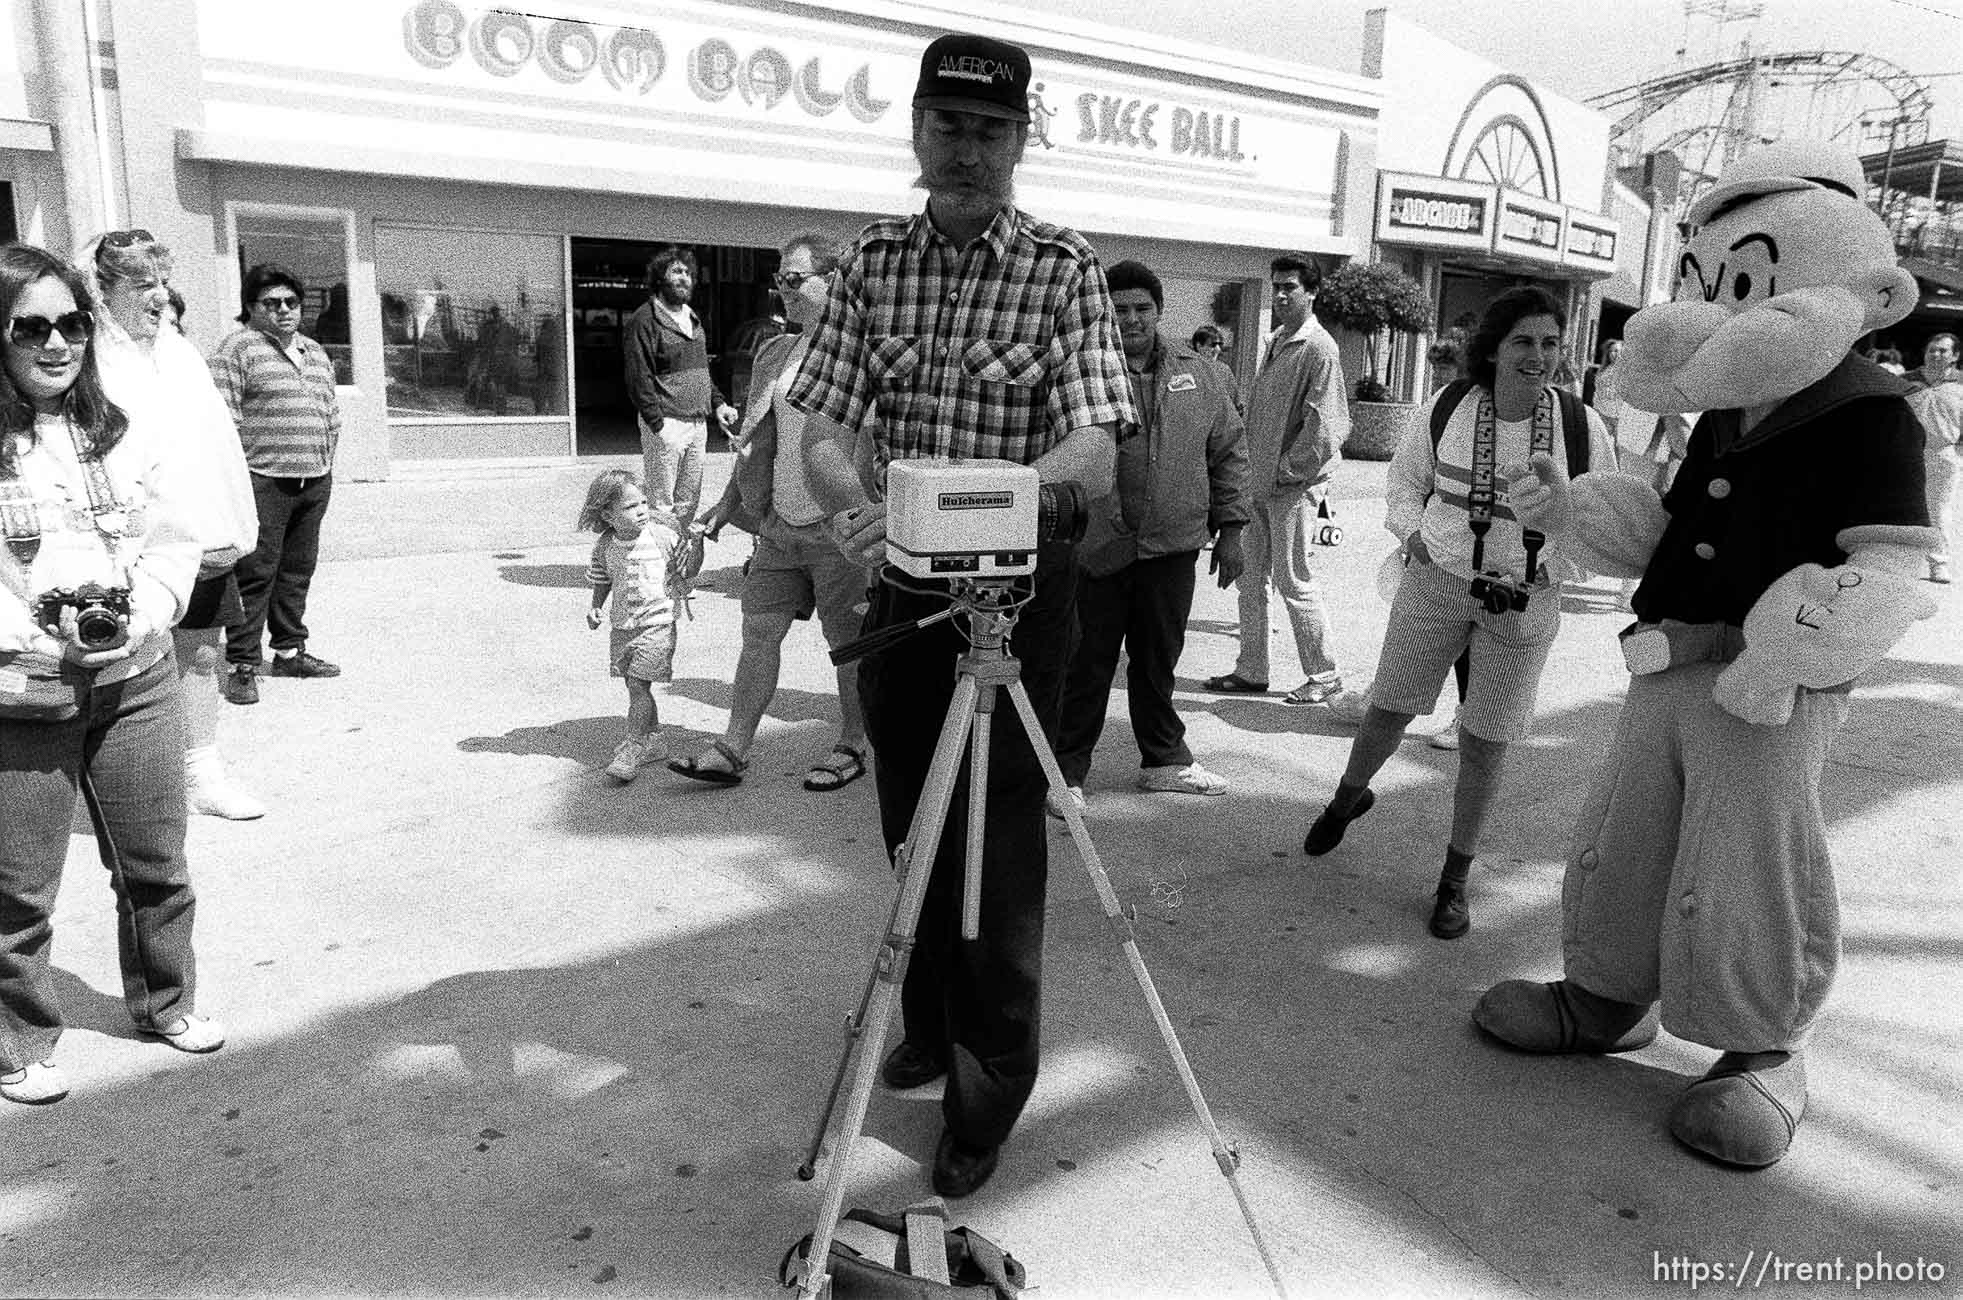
{"points": [[273, 580], [125, 754], [977, 1004], [1143, 608]]}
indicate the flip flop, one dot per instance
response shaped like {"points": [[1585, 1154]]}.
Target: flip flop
{"points": [[832, 774], [1234, 684], [692, 767]]}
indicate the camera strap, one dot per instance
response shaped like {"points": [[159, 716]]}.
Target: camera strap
{"points": [[112, 518], [1481, 494]]}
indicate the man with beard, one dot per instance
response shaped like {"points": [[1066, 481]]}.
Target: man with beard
{"points": [[668, 379], [970, 330]]}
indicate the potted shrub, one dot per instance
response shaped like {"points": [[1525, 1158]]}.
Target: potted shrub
{"points": [[1374, 299]]}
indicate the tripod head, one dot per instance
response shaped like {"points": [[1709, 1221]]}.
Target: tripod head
{"points": [[991, 606]]}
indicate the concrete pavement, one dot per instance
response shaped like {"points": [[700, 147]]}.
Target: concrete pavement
{"points": [[501, 1027]]}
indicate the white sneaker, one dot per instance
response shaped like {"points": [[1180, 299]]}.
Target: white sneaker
{"points": [[1446, 737], [633, 755], [1348, 706], [208, 791], [34, 1084], [1190, 779], [1056, 809]]}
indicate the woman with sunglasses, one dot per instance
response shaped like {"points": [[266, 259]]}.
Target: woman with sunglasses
{"points": [[86, 501], [146, 364]]}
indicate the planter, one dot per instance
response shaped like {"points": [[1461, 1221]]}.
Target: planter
{"points": [[1375, 428]]}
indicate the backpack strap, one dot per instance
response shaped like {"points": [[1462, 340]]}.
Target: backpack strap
{"points": [[1448, 401], [1574, 431]]}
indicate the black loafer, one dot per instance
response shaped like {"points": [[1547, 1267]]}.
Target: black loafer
{"points": [[1327, 830], [959, 1168], [909, 1066]]}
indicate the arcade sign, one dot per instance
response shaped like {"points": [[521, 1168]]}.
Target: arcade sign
{"points": [[1433, 212]]}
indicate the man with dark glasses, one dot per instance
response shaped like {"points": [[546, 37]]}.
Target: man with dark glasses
{"points": [[280, 386]]}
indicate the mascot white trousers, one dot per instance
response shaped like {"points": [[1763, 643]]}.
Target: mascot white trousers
{"points": [[1699, 873]]}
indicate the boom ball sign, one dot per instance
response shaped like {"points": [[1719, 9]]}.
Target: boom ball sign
{"points": [[633, 60]]}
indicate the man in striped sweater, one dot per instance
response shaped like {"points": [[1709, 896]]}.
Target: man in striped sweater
{"points": [[668, 380], [280, 386]]}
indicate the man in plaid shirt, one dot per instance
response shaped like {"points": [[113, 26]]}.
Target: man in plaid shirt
{"points": [[970, 330]]}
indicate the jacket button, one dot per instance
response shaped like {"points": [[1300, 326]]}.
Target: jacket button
{"points": [[1688, 905], [1704, 550], [1718, 488], [1588, 859], [954, 295]]}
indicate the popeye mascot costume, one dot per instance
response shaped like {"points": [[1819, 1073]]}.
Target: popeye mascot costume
{"points": [[1779, 568]]}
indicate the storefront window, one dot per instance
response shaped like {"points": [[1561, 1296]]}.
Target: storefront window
{"points": [[314, 247], [473, 323]]}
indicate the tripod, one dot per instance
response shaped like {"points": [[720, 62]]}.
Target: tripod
{"points": [[991, 608]]}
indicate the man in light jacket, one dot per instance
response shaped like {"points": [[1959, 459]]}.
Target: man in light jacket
{"points": [[1296, 424]]}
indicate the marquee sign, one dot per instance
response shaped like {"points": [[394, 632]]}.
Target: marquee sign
{"points": [[1591, 243], [1530, 227], [1433, 212]]}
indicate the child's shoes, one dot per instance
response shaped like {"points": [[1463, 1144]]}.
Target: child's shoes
{"points": [[635, 753]]}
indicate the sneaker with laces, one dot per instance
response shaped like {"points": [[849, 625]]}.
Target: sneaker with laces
{"points": [[37, 1083], [1190, 779], [241, 684], [1056, 809], [302, 665], [635, 753], [198, 1034]]}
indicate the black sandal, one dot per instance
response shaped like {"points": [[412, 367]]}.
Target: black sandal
{"points": [[695, 771], [832, 774]]}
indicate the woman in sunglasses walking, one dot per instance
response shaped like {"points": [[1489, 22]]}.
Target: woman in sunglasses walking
{"points": [[97, 563], [146, 364]]}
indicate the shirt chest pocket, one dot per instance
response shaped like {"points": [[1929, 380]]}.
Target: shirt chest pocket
{"points": [[893, 360], [997, 361]]}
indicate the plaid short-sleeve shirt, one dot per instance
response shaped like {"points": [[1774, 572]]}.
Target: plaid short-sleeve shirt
{"points": [[997, 350]]}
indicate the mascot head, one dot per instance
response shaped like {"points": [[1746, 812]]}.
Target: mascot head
{"points": [[1786, 267]]}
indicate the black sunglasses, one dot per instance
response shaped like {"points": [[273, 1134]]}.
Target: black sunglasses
{"points": [[77, 327], [124, 238], [280, 302], [792, 280]]}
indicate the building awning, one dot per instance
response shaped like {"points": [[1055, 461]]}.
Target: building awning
{"points": [[26, 133], [1940, 287]]}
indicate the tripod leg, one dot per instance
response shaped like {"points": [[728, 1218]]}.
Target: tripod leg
{"points": [[1223, 1155], [977, 814], [890, 968], [855, 1028]]}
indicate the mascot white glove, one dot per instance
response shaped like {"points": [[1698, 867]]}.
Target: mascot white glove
{"points": [[1815, 628], [1539, 493]]}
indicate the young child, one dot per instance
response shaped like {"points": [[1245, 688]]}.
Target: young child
{"points": [[635, 560]]}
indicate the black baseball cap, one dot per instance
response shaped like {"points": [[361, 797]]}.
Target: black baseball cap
{"points": [[975, 74]]}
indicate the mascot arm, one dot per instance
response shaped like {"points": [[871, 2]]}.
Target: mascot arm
{"points": [[1606, 521], [1816, 628]]}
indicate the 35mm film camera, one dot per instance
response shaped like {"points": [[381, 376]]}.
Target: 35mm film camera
{"points": [[101, 613], [1499, 593]]}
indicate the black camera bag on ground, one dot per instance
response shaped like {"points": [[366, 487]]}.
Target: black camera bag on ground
{"points": [[870, 1259]]}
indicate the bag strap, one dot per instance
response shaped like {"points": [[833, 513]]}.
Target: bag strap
{"points": [[1000, 1267], [1574, 431], [927, 1240], [1448, 401]]}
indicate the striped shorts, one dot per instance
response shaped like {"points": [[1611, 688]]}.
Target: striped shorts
{"points": [[1432, 620]]}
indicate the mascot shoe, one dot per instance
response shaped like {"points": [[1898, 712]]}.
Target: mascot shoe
{"points": [[1745, 1110], [1562, 1017]]}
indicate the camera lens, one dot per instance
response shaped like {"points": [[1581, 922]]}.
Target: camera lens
{"points": [[97, 628]]}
